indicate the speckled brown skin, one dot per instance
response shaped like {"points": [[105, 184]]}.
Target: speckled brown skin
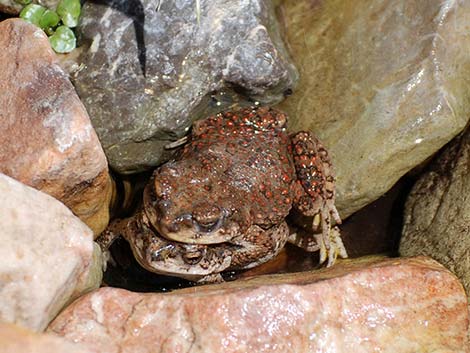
{"points": [[224, 199]]}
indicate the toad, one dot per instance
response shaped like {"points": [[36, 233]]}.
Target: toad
{"points": [[222, 203]]}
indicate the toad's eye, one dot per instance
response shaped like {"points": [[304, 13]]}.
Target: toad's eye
{"points": [[158, 188]]}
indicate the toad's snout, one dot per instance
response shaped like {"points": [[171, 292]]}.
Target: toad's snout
{"points": [[205, 224], [207, 218]]}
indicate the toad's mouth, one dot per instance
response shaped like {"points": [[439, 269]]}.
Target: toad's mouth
{"points": [[185, 229]]}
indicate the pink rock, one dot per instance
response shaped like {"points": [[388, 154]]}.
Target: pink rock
{"points": [[47, 256], [14, 339], [392, 305], [47, 139]]}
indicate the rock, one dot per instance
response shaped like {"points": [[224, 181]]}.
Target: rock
{"points": [[13, 7], [383, 84], [152, 66], [393, 305], [47, 257], [15, 339], [437, 211], [47, 139]]}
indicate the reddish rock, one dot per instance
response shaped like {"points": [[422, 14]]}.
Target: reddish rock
{"points": [[373, 305], [47, 139], [47, 256], [14, 339]]}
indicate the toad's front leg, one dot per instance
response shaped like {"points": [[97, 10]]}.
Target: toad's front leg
{"points": [[314, 195]]}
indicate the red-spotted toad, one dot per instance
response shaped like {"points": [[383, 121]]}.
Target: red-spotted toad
{"points": [[221, 204]]}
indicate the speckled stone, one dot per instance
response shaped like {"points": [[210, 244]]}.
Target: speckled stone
{"points": [[151, 67], [437, 211], [47, 257], [393, 305], [48, 141], [384, 84]]}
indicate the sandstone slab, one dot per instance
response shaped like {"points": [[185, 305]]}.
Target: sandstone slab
{"points": [[14, 339], [151, 67], [437, 211], [47, 256], [394, 305], [383, 84], [48, 141]]}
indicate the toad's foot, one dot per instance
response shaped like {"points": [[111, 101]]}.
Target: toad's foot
{"points": [[111, 233], [107, 238], [332, 247]]}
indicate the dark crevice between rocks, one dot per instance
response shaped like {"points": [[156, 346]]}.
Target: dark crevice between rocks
{"points": [[4, 16]]}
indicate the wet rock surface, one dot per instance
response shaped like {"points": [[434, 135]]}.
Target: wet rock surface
{"points": [[437, 212], [151, 67], [48, 141], [47, 257], [383, 85], [15, 339], [366, 305]]}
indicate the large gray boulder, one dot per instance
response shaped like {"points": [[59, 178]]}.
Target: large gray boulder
{"points": [[149, 68]]}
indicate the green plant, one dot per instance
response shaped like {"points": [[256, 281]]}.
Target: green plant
{"points": [[57, 24]]}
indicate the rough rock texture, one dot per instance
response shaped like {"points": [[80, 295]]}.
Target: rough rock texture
{"points": [[437, 212], [152, 65], [13, 7], [47, 139], [394, 305], [47, 256], [14, 339], [383, 84]]}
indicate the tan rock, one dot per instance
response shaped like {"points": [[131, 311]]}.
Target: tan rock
{"points": [[383, 84], [437, 211], [47, 139], [47, 256], [393, 305], [14, 339]]}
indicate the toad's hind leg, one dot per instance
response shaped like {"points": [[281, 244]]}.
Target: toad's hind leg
{"points": [[314, 195]]}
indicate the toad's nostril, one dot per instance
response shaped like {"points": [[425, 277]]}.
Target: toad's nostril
{"points": [[158, 188]]}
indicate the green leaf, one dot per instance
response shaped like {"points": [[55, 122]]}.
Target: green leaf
{"points": [[49, 20], [32, 13], [69, 12], [63, 40], [23, 2]]}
